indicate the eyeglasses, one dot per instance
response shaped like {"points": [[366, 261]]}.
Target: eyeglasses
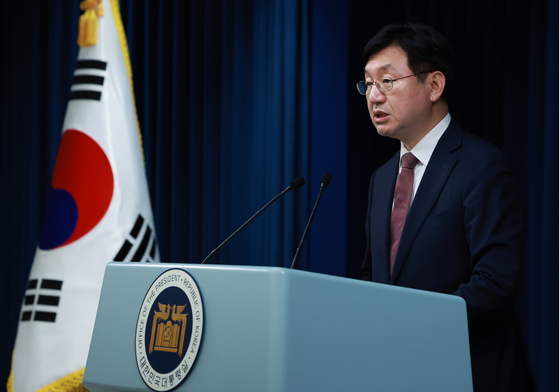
{"points": [[385, 85]]}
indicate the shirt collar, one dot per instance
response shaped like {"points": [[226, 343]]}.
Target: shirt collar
{"points": [[424, 149]]}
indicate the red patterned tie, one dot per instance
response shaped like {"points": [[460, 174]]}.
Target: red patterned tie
{"points": [[402, 197]]}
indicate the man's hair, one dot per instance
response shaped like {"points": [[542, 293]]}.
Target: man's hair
{"points": [[427, 49]]}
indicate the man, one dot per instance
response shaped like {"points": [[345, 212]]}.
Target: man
{"points": [[447, 217]]}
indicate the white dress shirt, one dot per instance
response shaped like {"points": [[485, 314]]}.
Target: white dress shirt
{"points": [[423, 151]]}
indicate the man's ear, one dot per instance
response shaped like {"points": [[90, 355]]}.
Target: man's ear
{"points": [[437, 82]]}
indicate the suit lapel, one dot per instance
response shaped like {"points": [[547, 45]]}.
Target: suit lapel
{"points": [[383, 195], [439, 168]]}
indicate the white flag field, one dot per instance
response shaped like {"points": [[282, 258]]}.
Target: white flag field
{"points": [[98, 211]]}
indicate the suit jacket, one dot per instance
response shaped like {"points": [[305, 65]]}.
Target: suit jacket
{"points": [[463, 235]]}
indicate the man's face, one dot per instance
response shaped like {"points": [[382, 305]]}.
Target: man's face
{"points": [[402, 113]]}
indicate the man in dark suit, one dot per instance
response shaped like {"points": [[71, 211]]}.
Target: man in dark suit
{"points": [[444, 213]]}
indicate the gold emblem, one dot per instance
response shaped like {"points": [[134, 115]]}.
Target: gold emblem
{"points": [[168, 334]]}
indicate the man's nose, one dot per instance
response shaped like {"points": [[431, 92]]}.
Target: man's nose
{"points": [[375, 95]]}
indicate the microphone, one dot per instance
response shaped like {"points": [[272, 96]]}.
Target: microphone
{"points": [[293, 185], [324, 182]]}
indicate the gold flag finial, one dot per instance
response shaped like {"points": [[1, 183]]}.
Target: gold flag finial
{"points": [[87, 35]]}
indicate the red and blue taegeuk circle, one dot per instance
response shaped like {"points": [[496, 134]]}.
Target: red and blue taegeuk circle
{"points": [[81, 191]]}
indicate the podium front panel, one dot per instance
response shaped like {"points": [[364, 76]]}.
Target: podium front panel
{"points": [[276, 329]]}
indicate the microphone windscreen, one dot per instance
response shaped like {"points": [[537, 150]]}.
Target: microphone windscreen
{"points": [[297, 183], [326, 178]]}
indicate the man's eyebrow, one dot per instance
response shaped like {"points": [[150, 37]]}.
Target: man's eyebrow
{"points": [[384, 67]]}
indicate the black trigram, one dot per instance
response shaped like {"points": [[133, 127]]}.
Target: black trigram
{"points": [[41, 300], [141, 244], [89, 77]]}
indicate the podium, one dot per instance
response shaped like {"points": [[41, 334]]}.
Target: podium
{"points": [[276, 329]]}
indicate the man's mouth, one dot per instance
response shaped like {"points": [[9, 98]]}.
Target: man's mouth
{"points": [[380, 116]]}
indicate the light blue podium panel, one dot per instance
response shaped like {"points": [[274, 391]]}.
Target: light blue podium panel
{"points": [[276, 329]]}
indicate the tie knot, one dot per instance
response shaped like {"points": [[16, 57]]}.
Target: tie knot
{"points": [[409, 160]]}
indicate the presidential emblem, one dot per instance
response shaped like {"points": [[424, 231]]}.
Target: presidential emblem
{"points": [[169, 330]]}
